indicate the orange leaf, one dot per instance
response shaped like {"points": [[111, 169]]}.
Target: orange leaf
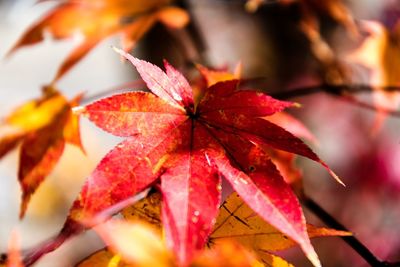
{"points": [[173, 17], [214, 76], [42, 126], [135, 31], [9, 141], [96, 20], [71, 131]]}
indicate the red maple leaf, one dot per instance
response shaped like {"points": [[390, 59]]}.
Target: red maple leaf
{"points": [[189, 147]]}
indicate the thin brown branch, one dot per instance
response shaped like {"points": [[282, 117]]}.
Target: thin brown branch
{"points": [[352, 241], [338, 90], [192, 37], [354, 101], [344, 92]]}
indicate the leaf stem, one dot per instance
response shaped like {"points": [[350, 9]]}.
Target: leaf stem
{"points": [[352, 241]]}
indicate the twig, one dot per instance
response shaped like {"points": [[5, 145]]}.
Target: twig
{"points": [[344, 92], [192, 37], [354, 101], [337, 90], [352, 241]]}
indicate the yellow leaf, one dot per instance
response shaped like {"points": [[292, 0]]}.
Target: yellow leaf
{"points": [[237, 221], [147, 209], [136, 242], [226, 253], [36, 114], [101, 258], [272, 260]]}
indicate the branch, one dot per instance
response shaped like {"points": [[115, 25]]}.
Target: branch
{"points": [[352, 241], [192, 39], [354, 101], [344, 92], [338, 90]]}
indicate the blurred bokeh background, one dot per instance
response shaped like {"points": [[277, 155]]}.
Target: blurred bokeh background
{"points": [[270, 45]]}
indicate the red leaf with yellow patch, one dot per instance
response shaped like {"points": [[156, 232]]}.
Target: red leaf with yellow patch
{"points": [[188, 148]]}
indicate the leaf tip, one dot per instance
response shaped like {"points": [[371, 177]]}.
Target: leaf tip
{"points": [[297, 105], [126, 55], [118, 50], [122, 52], [9, 53], [78, 110], [332, 173], [313, 257], [336, 177], [317, 264], [23, 207]]}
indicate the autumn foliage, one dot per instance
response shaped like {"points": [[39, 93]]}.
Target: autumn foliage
{"points": [[207, 173]]}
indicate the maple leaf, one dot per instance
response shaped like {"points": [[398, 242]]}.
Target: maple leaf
{"points": [[284, 161], [189, 148], [135, 243], [237, 235], [42, 126], [97, 20], [236, 221], [215, 76]]}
